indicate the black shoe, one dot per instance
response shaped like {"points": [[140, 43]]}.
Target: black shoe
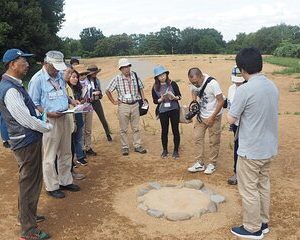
{"points": [[56, 194], [71, 187], [109, 138], [6, 144], [82, 161], [175, 155], [90, 152], [39, 218], [164, 154]]}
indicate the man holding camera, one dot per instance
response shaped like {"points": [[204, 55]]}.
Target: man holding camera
{"points": [[209, 117]]}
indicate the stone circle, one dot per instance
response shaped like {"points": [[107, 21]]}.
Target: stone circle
{"points": [[178, 202]]}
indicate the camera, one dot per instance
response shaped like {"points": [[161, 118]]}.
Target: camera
{"points": [[194, 109]]}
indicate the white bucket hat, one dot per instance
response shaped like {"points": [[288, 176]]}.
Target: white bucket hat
{"points": [[236, 76], [56, 58], [123, 62]]}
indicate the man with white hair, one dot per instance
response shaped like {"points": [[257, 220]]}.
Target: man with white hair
{"points": [[48, 92], [126, 85]]}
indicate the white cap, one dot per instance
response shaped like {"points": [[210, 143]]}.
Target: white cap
{"points": [[236, 76], [123, 62], [56, 58]]}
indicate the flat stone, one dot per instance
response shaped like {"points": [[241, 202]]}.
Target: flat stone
{"points": [[212, 207], [142, 192], [207, 191], [155, 213], [217, 198], [142, 207], [177, 216], [170, 185], [154, 185], [200, 212], [141, 199], [194, 184]]}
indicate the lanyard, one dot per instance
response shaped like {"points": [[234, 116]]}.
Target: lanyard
{"points": [[55, 85]]}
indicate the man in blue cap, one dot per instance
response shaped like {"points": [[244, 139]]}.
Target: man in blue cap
{"points": [[25, 129]]}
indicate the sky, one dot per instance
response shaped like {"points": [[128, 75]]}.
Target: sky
{"points": [[229, 17]]}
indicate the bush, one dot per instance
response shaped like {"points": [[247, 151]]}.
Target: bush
{"points": [[288, 49]]}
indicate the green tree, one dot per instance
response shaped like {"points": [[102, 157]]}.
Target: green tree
{"points": [[170, 39], [30, 25], [89, 37]]}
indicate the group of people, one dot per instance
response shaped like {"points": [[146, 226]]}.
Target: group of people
{"points": [[36, 122]]}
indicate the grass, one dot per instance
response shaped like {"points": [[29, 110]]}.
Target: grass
{"points": [[292, 65]]}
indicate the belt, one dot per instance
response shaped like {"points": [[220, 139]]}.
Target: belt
{"points": [[130, 103]]}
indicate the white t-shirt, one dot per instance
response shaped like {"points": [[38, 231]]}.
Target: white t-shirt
{"points": [[231, 93], [208, 102]]}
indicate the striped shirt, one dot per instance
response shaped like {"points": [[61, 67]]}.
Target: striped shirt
{"points": [[16, 106], [127, 90]]}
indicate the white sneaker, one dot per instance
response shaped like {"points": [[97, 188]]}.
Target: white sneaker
{"points": [[210, 169], [198, 167]]}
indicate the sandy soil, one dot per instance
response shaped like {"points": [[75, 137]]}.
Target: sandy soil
{"points": [[105, 208]]}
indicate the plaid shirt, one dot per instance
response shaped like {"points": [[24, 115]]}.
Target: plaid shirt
{"points": [[127, 89]]}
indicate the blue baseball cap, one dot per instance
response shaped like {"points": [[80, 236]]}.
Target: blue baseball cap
{"points": [[158, 70], [13, 54]]}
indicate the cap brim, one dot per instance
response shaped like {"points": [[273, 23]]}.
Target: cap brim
{"points": [[167, 72], [235, 79], [27, 55], [59, 66], [128, 65]]}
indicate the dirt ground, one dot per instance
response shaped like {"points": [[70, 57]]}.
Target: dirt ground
{"points": [[105, 208]]}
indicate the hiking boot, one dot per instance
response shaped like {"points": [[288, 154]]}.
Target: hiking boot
{"points": [[175, 155], [78, 176], [82, 161], [210, 168], [90, 152], [197, 167], [125, 151], [56, 194], [108, 137], [243, 233], [70, 187], [264, 228], [232, 180], [164, 154], [140, 149], [6, 144], [34, 234]]}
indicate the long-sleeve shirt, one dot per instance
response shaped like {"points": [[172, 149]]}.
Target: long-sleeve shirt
{"points": [[17, 108]]}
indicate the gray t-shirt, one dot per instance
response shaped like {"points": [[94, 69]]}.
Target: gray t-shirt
{"points": [[256, 105]]}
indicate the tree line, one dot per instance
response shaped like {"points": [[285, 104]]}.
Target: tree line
{"points": [[32, 25]]}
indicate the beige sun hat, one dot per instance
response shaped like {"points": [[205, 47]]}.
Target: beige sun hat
{"points": [[123, 62], [81, 69]]}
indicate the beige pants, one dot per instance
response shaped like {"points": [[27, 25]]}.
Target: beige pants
{"points": [[87, 130], [254, 187], [57, 143], [129, 114], [214, 140]]}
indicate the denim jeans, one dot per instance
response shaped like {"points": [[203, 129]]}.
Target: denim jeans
{"points": [[77, 137], [4, 133]]}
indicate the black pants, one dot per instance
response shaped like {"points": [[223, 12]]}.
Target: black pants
{"points": [[165, 118], [236, 146], [99, 111]]}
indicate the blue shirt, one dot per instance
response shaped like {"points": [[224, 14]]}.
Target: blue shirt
{"points": [[48, 93]]}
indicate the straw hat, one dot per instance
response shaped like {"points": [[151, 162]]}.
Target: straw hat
{"points": [[81, 69]]}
